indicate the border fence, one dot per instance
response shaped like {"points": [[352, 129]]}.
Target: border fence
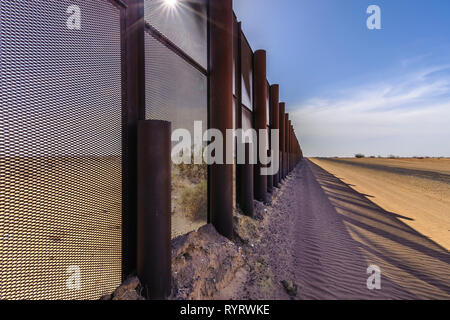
{"points": [[77, 80]]}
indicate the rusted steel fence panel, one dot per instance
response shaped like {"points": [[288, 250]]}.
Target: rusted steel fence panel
{"points": [[80, 174]]}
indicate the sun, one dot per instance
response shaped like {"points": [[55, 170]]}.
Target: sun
{"points": [[171, 3]]}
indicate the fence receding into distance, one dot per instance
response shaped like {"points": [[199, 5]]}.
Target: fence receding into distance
{"points": [[71, 101]]}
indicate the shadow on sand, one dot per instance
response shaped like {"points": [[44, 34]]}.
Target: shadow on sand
{"points": [[407, 258]]}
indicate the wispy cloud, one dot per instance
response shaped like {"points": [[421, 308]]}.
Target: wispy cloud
{"points": [[406, 114]]}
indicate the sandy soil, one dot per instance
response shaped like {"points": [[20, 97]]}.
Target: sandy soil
{"points": [[417, 191], [434, 165], [322, 235]]}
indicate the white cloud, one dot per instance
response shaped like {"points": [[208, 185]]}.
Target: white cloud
{"points": [[406, 115]]}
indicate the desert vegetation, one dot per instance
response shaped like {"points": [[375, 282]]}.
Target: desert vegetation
{"points": [[193, 200], [189, 197]]}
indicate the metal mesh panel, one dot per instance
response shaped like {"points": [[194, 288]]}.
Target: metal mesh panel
{"points": [[247, 119], [177, 92], [247, 73], [60, 150], [184, 23]]}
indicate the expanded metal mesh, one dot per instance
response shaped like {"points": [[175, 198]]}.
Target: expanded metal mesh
{"points": [[247, 73], [184, 23], [178, 92], [175, 90], [60, 149], [247, 119]]}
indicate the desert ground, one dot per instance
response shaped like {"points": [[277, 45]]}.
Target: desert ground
{"points": [[326, 227], [416, 190]]}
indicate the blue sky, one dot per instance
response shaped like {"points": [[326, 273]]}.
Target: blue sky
{"points": [[349, 89]]}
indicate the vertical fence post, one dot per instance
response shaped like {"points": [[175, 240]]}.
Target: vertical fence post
{"points": [[269, 154], [246, 190], [288, 134], [154, 207], [238, 85], [260, 118], [133, 93], [286, 142], [282, 138], [275, 122], [291, 146], [221, 111], [269, 127], [291, 137]]}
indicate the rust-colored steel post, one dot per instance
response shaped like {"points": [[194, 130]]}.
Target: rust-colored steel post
{"points": [[286, 143], [269, 154], [269, 177], [269, 150], [282, 138], [275, 122], [294, 153], [221, 111], [260, 119], [238, 91], [154, 208], [290, 147], [294, 149], [246, 189]]}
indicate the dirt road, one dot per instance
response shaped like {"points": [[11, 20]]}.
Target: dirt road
{"points": [[323, 235]]}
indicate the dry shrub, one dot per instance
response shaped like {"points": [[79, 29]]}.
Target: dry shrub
{"points": [[193, 200], [196, 173]]}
